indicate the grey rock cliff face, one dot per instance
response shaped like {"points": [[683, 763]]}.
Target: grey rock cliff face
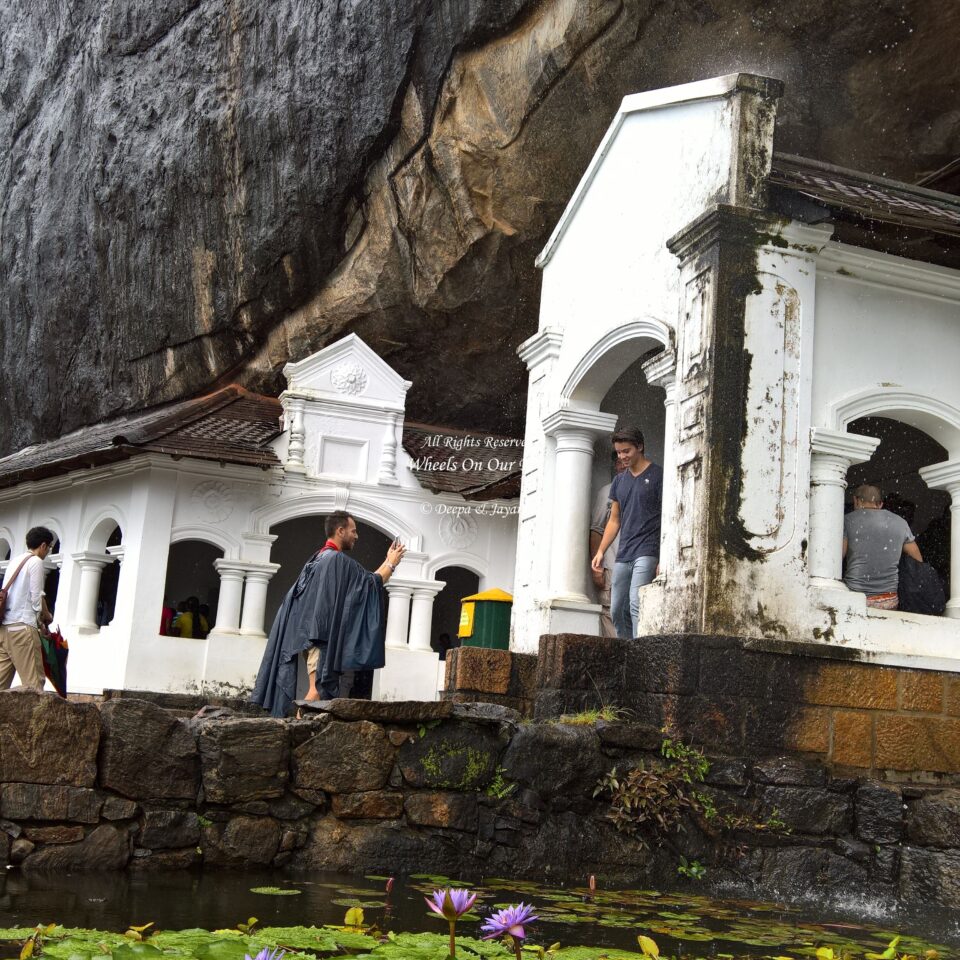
{"points": [[200, 190]]}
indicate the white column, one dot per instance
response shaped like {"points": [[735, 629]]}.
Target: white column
{"points": [[231, 594], [398, 613], [833, 452], [387, 473], [421, 615], [946, 476], [661, 371], [91, 565], [574, 432], [294, 407], [255, 598]]}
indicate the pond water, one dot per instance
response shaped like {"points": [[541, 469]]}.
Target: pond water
{"points": [[683, 924]]}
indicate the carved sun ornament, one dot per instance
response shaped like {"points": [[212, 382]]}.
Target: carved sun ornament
{"points": [[214, 498], [458, 530], [349, 377]]}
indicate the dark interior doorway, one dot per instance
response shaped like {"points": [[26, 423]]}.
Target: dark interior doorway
{"points": [[460, 583]]}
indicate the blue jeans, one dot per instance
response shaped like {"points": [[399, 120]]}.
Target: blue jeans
{"points": [[628, 578]]}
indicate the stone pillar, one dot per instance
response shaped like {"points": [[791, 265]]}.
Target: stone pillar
{"points": [[91, 565], [833, 452], [398, 613], [255, 598], [946, 476], [295, 448], [421, 615], [661, 371], [231, 594], [574, 432]]}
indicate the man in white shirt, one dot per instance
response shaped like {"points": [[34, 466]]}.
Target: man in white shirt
{"points": [[26, 607]]}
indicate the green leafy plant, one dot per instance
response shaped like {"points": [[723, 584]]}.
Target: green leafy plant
{"points": [[204, 821], [499, 787], [422, 728], [587, 718], [691, 869]]}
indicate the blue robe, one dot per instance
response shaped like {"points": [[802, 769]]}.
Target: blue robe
{"points": [[335, 604]]}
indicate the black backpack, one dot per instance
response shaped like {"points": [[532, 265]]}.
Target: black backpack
{"points": [[919, 589]]}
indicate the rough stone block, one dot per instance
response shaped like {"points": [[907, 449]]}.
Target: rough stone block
{"points": [[383, 711], [45, 739], [921, 690], [165, 860], [374, 805], [493, 713], [630, 736], [811, 868], [20, 849], [291, 807], [453, 756], [934, 820], [345, 758], [879, 813], [727, 772], [104, 848], [808, 809], [169, 829], [244, 760], [480, 670], [866, 686], [852, 739], [555, 760], [918, 744], [734, 672], [243, 840], [663, 664], [574, 662], [4, 849], [456, 811], [523, 676], [34, 801], [808, 730], [61, 833], [117, 808], [930, 876], [952, 695], [788, 772], [146, 753], [712, 722]]}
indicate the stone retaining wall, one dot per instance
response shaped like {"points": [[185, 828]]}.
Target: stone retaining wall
{"points": [[438, 787]]}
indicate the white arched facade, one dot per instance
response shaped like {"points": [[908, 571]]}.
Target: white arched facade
{"points": [[340, 450]]}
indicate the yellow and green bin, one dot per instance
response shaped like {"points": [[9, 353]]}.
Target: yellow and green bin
{"points": [[485, 620]]}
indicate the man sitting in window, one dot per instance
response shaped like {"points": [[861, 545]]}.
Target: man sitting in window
{"points": [[873, 539]]}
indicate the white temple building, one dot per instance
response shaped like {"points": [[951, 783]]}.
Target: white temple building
{"points": [[802, 326], [168, 500], [779, 328]]}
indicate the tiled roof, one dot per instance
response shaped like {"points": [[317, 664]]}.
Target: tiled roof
{"points": [[478, 466], [867, 197], [230, 425]]}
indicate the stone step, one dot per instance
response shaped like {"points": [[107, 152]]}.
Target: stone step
{"points": [[186, 704]]}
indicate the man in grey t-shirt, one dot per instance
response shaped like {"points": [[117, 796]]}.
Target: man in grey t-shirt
{"points": [[873, 539]]}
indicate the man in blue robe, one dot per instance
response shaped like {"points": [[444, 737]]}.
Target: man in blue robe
{"points": [[335, 615]]}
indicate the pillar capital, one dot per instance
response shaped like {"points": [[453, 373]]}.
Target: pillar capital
{"points": [[92, 560], [833, 452], [260, 572], [575, 429], [541, 347], [398, 587], [943, 476], [661, 370], [229, 569]]}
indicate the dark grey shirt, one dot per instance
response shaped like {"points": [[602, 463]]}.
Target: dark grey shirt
{"points": [[875, 540]]}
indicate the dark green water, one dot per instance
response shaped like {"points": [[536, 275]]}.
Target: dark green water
{"points": [[685, 924]]}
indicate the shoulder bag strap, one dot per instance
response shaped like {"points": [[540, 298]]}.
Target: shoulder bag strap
{"points": [[17, 574]]}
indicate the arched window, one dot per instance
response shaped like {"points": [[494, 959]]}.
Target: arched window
{"points": [[191, 576], [460, 583]]}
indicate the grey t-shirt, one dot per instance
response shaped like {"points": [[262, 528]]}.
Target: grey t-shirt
{"points": [[875, 540]]}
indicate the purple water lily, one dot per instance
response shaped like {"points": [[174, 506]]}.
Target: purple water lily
{"points": [[266, 954], [510, 922], [451, 905]]}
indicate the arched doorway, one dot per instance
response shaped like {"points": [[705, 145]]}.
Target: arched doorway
{"points": [[459, 583], [109, 580], [51, 583], [191, 573], [895, 467]]}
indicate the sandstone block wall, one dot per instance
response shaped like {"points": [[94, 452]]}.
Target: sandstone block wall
{"points": [[453, 788]]}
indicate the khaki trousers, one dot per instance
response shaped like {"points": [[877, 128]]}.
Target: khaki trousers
{"points": [[20, 652], [607, 629]]}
